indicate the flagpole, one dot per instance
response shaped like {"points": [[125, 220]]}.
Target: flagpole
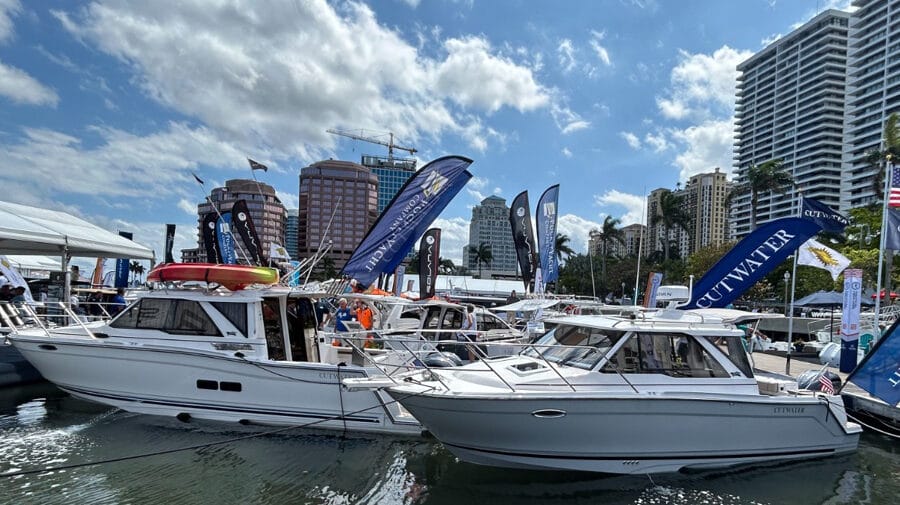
{"points": [[637, 275], [884, 211], [787, 363]]}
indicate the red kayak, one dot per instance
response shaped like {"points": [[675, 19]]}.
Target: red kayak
{"points": [[232, 277]]}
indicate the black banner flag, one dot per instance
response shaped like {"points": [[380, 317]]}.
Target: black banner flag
{"points": [[523, 236], [243, 223], [170, 243], [208, 229], [429, 258]]}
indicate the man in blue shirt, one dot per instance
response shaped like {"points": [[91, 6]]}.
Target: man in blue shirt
{"points": [[343, 313], [118, 302]]}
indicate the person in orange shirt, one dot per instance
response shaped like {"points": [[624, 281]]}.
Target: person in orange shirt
{"points": [[366, 319]]}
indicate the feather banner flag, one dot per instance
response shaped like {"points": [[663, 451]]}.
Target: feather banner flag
{"points": [[412, 210], [815, 254], [546, 214]]}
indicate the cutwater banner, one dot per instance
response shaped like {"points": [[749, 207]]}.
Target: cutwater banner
{"points": [[243, 223], [850, 318], [879, 371], [546, 233], [749, 260], [653, 282], [122, 265], [405, 219], [208, 229], [225, 239], [523, 236], [429, 256], [822, 214], [170, 243]]}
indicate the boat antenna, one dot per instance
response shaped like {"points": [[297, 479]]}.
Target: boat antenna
{"points": [[218, 213], [637, 275], [690, 292]]}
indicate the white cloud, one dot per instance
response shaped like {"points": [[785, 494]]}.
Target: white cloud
{"points": [[566, 152], [707, 146], [702, 86], [187, 206], [657, 141], [247, 72], [566, 120], [412, 3], [633, 141], [771, 38], [119, 165], [633, 204], [566, 55], [577, 229], [22, 88], [15, 84], [454, 236], [602, 53], [476, 186], [7, 9], [290, 200]]}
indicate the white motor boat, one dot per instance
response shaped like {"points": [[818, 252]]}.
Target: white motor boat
{"points": [[650, 393], [248, 355]]}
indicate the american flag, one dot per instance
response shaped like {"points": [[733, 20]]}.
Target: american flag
{"points": [[825, 384], [894, 198]]}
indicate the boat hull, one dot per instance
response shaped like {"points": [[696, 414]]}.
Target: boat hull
{"points": [[220, 387], [625, 435]]}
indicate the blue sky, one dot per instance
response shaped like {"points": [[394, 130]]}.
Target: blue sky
{"points": [[107, 107]]}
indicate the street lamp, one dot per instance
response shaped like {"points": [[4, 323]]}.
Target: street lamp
{"points": [[787, 279], [623, 293], [864, 236]]}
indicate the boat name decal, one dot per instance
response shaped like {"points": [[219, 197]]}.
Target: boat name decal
{"points": [[789, 410], [233, 347]]}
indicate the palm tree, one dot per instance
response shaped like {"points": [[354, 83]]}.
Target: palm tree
{"points": [[670, 214], [608, 234], [135, 268], [890, 154], [482, 256], [562, 247], [446, 266], [768, 176], [891, 151]]}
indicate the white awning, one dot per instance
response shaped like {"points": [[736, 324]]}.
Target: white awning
{"points": [[32, 230]]}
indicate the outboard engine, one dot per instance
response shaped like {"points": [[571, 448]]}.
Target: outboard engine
{"points": [[830, 354], [809, 380], [442, 360]]}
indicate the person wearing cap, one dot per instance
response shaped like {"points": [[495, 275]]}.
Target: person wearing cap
{"points": [[343, 313], [6, 293], [18, 295]]}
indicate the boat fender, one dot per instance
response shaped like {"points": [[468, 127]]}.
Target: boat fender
{"points": [[239, 355], [183, 417]]}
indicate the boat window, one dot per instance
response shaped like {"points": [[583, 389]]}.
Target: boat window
{"points": [[579, 346], [733, 349], [675, 355], [191, 319], [487, 322], [236, 313], [170, 316], [272, 323]]}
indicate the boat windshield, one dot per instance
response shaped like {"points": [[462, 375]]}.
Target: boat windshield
{"points": [[574, 345], [733, 349]]}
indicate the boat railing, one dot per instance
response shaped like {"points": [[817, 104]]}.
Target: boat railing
{"points": [[45, 316], [417, 349]]}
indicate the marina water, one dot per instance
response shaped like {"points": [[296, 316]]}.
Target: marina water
{"points": [[40, 427]]}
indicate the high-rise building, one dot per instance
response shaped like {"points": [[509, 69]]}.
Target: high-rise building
{"points": [[704, 201], [490, 225], [873, 93], [392, 173], [790, 103], [345, 189], [266, 211], [291, 231], [631, 239]]}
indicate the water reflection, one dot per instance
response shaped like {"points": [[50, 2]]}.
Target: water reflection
{"points": [[40, 427]]}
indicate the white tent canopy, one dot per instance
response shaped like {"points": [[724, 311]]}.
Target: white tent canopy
{"points": [[29, 262], [32, 230]]}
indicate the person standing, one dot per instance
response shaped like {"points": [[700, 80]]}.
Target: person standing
{"points": [[366, 319], [468, 332], [118, 302], [341, 314], [511, 314]]}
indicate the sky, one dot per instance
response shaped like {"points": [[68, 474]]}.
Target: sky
{"points": [[108, 107]]}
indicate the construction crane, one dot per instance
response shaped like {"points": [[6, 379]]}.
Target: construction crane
{"points": [[390, 143]]}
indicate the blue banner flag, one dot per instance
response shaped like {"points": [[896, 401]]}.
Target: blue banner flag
{"points": [[892, 237], [418, 203], [749, 260], [879, 372], [545, 213], [226, 239], [822, 214], [122, 265]]}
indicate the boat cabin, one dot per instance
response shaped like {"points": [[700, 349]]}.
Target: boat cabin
{"points": [[275, 323]]}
